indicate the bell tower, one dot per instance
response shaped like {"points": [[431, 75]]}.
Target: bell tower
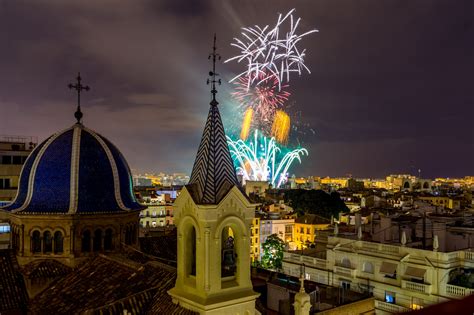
{"points": [[213, 219]]}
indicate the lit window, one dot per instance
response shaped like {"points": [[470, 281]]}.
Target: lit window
{"points": [[417, 304], [153, 224], [4, 228], [390, 297]]}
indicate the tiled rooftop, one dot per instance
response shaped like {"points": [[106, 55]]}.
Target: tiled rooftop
{"points": [[13, 295], [108, 285]]}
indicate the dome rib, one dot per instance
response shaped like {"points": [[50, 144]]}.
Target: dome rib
{"points": [[75, 154], [34, 167]]}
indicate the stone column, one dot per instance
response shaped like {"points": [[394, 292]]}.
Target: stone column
{"points": [[207, 236], [22, 241]]}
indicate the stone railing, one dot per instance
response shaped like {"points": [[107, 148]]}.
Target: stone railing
{"points": [[469, 256], [416, 287], [389, 307], [348, 272], [456, 291], [307, 260]]}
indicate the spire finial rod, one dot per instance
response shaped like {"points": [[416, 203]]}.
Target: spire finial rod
{"points": [[212, 74], [79, 88]]}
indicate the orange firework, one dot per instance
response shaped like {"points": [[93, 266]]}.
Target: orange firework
{"points": [[244, 133], [281, 126]]}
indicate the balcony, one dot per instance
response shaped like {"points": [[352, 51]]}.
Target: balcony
{"points": [[389, 307], [458, 292], [307, 260], [348, 272], [416, 287]]}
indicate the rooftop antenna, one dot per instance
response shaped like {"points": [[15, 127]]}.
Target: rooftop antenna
{"points": [[79, 88]]}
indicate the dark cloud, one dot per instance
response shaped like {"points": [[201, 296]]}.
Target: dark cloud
{"points": [[390, 89]]}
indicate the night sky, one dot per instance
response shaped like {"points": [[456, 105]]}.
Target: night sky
{"points": [[391, 88]]}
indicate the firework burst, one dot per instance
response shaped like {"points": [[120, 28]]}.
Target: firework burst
{"points": [[271, 50], [264, 97], [262, 159]]}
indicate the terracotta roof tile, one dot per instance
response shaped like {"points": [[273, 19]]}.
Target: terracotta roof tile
{"points": [[13, 294]]}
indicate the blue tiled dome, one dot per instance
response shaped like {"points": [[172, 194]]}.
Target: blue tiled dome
{"points": [[75, 171]]}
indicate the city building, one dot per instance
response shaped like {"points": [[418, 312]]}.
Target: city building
{"points": [[282, 226], [256, 188], [255, 239], [415, 262], [307, 228], [14, 151], [156, 215]]}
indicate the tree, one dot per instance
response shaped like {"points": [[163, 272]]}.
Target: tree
{"points": [[315, 202], [272, 248]]}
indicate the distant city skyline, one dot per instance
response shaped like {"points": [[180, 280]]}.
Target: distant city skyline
{"points": [[136, 172], [390, 90]]}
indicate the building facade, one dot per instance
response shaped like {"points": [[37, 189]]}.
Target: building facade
{"points": [[14, 151], [306, 229], [399, 277]]}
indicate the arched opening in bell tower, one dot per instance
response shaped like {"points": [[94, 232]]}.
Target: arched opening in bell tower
{"points": [[228, 253]]}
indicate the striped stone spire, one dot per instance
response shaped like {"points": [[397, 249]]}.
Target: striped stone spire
{"points": [[213, 172]]}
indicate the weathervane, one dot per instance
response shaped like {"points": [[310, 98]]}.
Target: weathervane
{"points": [[213, 73], [78, 87]]}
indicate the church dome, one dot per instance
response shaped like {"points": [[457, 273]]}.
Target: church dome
{"points": [[75, 171]]}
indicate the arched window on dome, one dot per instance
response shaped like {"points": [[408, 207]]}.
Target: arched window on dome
{"points": [[97, 240], [86, 241], [36, 242], [229, 253], [58, 242], [47, 242], [108, 239]]}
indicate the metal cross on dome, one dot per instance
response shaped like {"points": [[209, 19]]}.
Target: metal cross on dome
{"points": [[79, 88], [213, 73]]}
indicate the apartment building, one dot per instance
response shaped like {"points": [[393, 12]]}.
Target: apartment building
{"points": [[14, 151], [255, 239], [399, 277], [307, 228]]}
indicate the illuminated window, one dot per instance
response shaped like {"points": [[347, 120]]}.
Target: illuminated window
{"points": [[5, 228], [390, 297], [417, 304]]}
